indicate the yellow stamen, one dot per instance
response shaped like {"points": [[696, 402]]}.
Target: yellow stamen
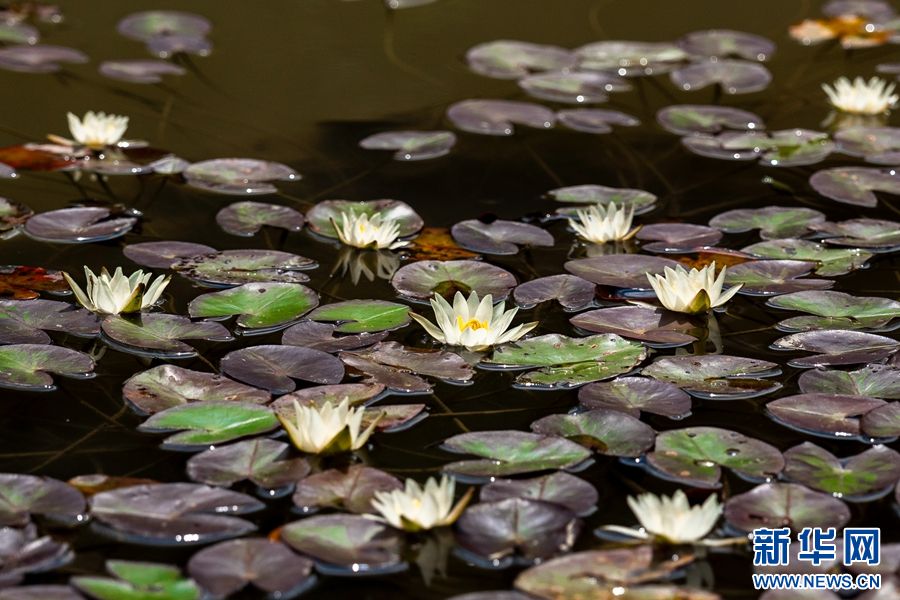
{"points": [[473, 324]]}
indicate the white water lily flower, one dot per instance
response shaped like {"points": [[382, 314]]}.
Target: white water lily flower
{"points": [[97, 130], [601, 224], [364, 231], [416, 507], [673, 518], [473, 323], [862, 97], [327, 429], [118, 294], [692, 292]]}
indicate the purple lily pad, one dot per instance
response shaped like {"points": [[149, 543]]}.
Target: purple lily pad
{"points": [[350, 490], [22, 496], [161, 255], [170, 514], [633, 395], [859, 477], [25, 321], [608, 432], [619, 270], [572, 293], [642, 201], [685, 119], [773, 222], [734, 76], [511, 452], [629, 58], [238, 176], [882, 422], [785, 505], [875, 235], [139, 71], [837, 347], [653, 325], [878, 145], [727, 42], [228, 567], [712, 146], [677, 236], [595, 120], [498, 117], [400, 362], [236, 267], [874, 10], [422, 279], [772, 277], [573, 87], [40, 592], [257, 460], [247, 218], [166, 386], [165, 46], [321, 215], [875, 381], [558, 488], [23, 552], [78, 225], [834, 415], [716, 376], [829, 261], [396, 380], [854, 185], [274, 368], [498, 237], [510, 59], [146, 25], [412, 145], [39, 58], [160, 335], [321, 336], [28, 366]]}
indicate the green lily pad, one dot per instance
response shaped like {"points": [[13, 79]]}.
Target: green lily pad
{"points": [[363, 316], [156, 334], [871, 472], [247, 218], [24, 321], [773, 222], [422, 279], [28, 366], [716, 376], [235, 267], [695, 456], [139, 581], [511, 452], [165, 386], [204, 423], [874, 381], [260, 306], [321, 215], [830, 261], [836, 309], [607, 431], [785, 505]]}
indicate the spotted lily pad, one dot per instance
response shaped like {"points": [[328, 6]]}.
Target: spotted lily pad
{"points": [[24, 321], [259, 306], [695, 456], [498, 117], [258, 460], [572, 293], [167, 386], [274, 368], [346, 544], [830, 261], [235, 267], [363, 316], [205, 423], [161, 255], [734, 76], [238, 176], [727, 42], [878, 145], [78, 225], [633, 395], [24, 496], [771, 277], [835, 310], [412, 145], [28, 366], [685, 119], [716, 376], [608, 432], [854, 185], [247, 218], [351, 489], [874, 381], [510, 59], [630, 58], [169, 514], [138, 581], [229, 567], [321, 215], [773, 222], [875, 235], [559, 488], [871, 472], [39, 58], [595, 120], [573, 87], [785, 505], [837, 347], [510, 452], [421, 280], [640, 200], [156, 334], [619, 270], [321, 336], [498, 237]]}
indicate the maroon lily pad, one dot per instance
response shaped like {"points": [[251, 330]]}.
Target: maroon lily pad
{"points": [[606, 431], [882, 422], [498, 237], [633, 395], [23, 552], [274, 368], [854, 185], [595, 120], [572, 293], [352, 489], [716, 376], [355, 393], [423, 279], [22, 496], [653, 325], [734, 76], [24, 283], [499, 117], [321, 336], [837, 347], [834, 415], [390, 378], [875, 381], [25, 321], [247, 218], [161, 255], [619, 270], [160, 335], [785, 505], [40, 592], [257, 460], [873, 472], [78, 225], [559, 488]]}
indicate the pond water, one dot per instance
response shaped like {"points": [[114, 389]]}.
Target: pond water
{"points": [[301, 84]]}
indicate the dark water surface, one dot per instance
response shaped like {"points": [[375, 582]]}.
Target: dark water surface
{"points": [[301, 83]]}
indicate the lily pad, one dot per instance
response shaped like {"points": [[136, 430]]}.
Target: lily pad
{"points": [[733, 76], [878, 145], [695, 456], [444, 365], [351, 489], [875, 235], [713, 146], [412, 145], [24, 322], [206, 423], [685, 119], [396, 380], [228, 567], [573, 87], [139, 71], [633, 395], [511, 452], [257, 460], [572, 293], [421, 280], [837, 347], [247, 218], [78, 225], [363, 316], [40, 592], [170, 514], [498, 117], [18, 33], [238, 176], [854, 185], [147, 25], [773, 222], [28, 366], [510, 59], [608, 432], [830, 261], [321, 336], [321, 215], [161, 255], [771, 277], [274, 368], [834, 415], [346, 544], [496, 532], [167, 386], [498, 237], [261, 307], [630, 58], [559, 488], [785, 505], [23, 552], [595, 120], [641, 201], [727, 42], [39, 58], [619, 270], [235, 267], [716, 376], [26, 283], [668, 237], [12, 214], [138, 581], [882, 422], [871, 472], [653, 325], [836, 309], [24, 496], [160, 335], [875, 381]]}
